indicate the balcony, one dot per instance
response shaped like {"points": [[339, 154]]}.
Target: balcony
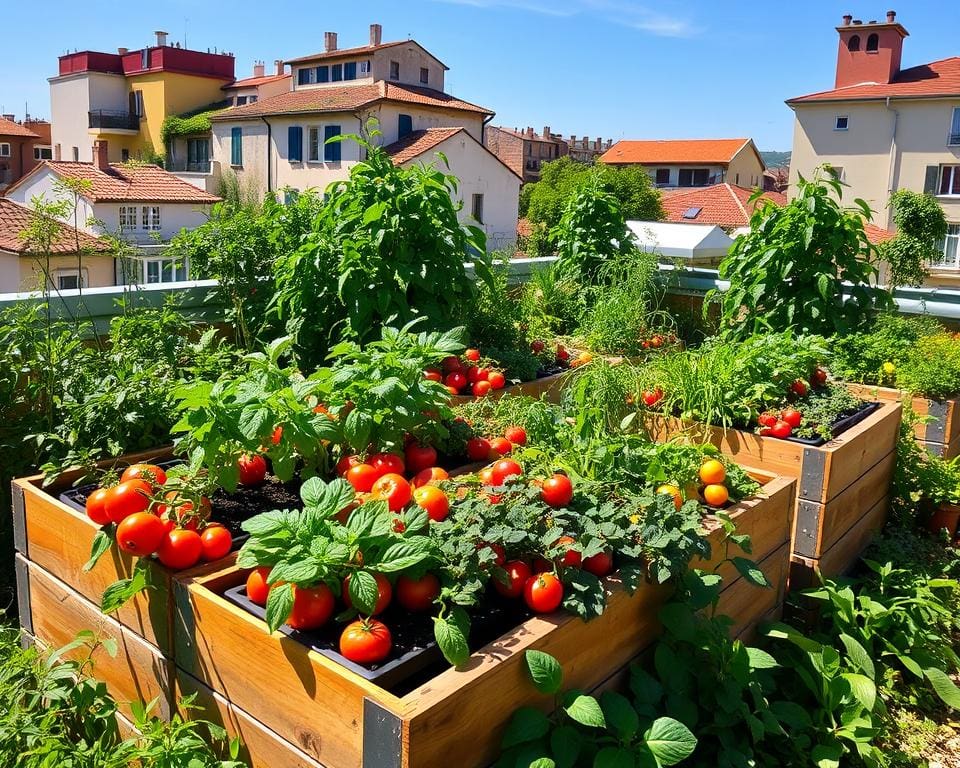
{"points": [[109, 120], [953, 140], [184, 166]]}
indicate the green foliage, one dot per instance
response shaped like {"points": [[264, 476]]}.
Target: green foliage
{"points": [[189, 124], [921, 225], [386, 246], [552, 305], [932, 367], [790, 270], [823, 407]]}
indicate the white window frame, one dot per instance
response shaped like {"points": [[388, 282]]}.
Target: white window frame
{"points": [[165, 267], [477, 198], [81, 275], [363, 67], [952, 238], [846, 123], [138, 103], [954, 171], [953, 139], [4, 149], [150, 221], [38, 152], [314, 143], [128, 218]]}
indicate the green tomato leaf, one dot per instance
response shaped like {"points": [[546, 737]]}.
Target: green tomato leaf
{"points": [[527, 724], [620, 715], [452, 640], [364, 591], [279, 606], [545, 670], [327, 498], [862, 688], [586, 711], [858, 655], [101, 544], [944, 687], [750, 571], [405, 554], [670, 741], [255, 422], [760, 659]]}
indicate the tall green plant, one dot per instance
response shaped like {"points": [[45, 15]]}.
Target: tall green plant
{"points": [[921, 225], [591, 232]]}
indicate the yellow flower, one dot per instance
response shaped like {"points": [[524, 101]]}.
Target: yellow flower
{"points": [[889, 369]]}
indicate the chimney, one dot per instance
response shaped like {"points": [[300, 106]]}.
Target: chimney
{"points": [[529, 132], [8, 117], [546, 132], [598, 143], [573, 139], [855, 66], [258, 69], [123, 51], [376, 34], [278, 63], [847, 19], [891, 17], [858, 22], [329, 41], [100, 155], [161, 38]]}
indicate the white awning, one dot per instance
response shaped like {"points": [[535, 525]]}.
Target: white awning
{"points": [[696, 243]]}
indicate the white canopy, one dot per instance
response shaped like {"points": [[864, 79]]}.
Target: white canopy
{"points": [[696, 243]]}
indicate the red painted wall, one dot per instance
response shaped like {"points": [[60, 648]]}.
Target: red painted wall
{"points": [[863, 66]]}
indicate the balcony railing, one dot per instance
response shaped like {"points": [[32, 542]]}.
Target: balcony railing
{"points": [[183, 166], [953, 140], [113, 119]]}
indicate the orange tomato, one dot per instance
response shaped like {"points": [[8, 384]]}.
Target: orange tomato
{"points": [[672, 490], [434, 501], [716, 495], [712, 472]]}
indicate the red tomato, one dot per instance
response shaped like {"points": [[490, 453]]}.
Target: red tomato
{"points": [[362, 477], [257, 588], [542, 565], [537, 347], [562, 354], [481, 388], [792, 416], [767, 419], [478, 449], [429, 476], [127, 498], [183, 511], [656, 341], [384, 593], [451, 363], [517, 574], [819, 377], [571, 558], [543, 593], [96, 509], [781, 429], [600, 564], [277, 435], [486, 476], [180, 549], [366, 642], [149, 472], [312, 607], [505, 468], [766, 431], [140, 534], [799, 388], [418, 594], [434, 501], [479, 374], [394, 489], [253, 469], [432, 374], [473, 355], [500, 555], [557, 491], [386, 463], [652, 397], [516, 435], [457, 380], [453, 390], [346, 463], [500, 446], [419, 457], [216, 542], [496, 380]]}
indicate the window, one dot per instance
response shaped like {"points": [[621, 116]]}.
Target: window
{"points": [[323, 74], [198, 152], [151, 218], [950, 247], [955, 128], [694, 177], [394, 70], [841, 123], [4, 149], [241, 100], [42, 153], [136, 103], [692, 213], [295, 144], [124, 155], [949, 180], [236, 146], [424, 75], [76, 154], [313, 145], [365, 67], [477, 208], [337, 73], [69, 279], [873, 43], [165, 270], [331, 151], [350, 70], [837, 171], [737, 182], [128, 217], [404, 126], [252, 99], [853, 44], [306, 76]]}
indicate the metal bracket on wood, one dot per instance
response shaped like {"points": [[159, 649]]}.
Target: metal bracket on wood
{"points": [[812, 473], [19, 512], [808, 528], [24, 608], [937, 449], [937, 429], [382, 744]]}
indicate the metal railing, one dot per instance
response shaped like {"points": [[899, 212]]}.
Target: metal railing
{"points": [[183, 166], [115, 119], [953, 140]]}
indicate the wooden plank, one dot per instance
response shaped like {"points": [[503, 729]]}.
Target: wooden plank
{"points": [[137, 673], [747, 604], [262, 748], [549, 387], [943, 450], [945, 428], [858, 449]]}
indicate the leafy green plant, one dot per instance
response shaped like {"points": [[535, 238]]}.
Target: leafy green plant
{"points": [[790, 271], [552, 305], [921, 225], [823, 407], [605, 732]]}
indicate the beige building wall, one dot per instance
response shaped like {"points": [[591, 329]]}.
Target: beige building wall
{"points": [[410, 56], [98, 271], [745, 168], [388, 115]]}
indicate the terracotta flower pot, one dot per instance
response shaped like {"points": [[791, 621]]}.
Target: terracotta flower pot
{"points": [[945, 516]]}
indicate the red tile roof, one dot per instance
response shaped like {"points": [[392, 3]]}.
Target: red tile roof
{"points": [[358, 51], [725, 205], [10, 128], [126, 182], [536, 136], [15, 219], [877, 235], [346, 98], [419, 142], [252, 82], [938, 78], [677, 151]]}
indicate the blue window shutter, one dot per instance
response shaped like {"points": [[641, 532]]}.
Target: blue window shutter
{"points": [[295, 144], [350, 70], [331, 152], [303, 77], [323, 74], [236, 146], [337, 72], [404, 126]]}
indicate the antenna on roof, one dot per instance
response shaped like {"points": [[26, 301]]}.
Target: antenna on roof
{"points": [[185, 21]]}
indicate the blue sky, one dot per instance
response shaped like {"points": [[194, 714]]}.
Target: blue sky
{"points": [[611, 68]]}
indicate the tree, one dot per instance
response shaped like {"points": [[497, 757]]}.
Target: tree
{"points": [[921, 225], [794, 267]]}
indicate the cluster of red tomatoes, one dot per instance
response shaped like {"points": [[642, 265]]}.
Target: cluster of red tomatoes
{"points": [[151, 520], [459, 376], [782, 424], [490, 449], [658, 340]]}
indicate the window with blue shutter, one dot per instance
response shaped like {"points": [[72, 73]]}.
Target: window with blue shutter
{"points": [[404, 126], [331, 152], [236, 146], [350, 70], [295, 144], [323, 74], [303, 77], [337, 72]]}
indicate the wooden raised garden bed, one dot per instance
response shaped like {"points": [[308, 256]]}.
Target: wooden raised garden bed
{"points": [[940, 435], [549, 387], [842, 483], [311, 709]]}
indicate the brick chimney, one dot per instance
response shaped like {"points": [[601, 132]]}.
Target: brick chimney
{"points": [[869, 53], [329, 41], [598, 143], [529, 132], [376, 34], [100, 156], [573, 139], [258, 69], [546, 132], [847, 19], [123, 51], [278, 63], [161, 38], [891, 17]]}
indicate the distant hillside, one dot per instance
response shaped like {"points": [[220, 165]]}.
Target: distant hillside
{"points": [[775, 159]]}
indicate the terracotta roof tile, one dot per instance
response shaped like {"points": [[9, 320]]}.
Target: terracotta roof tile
{"points": [[716, 151], [877, 235], [938, 78], [127, 182], [346, 98], [10, 128], [419, 142], [725, 205], [251, 82], [15, 220]]}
